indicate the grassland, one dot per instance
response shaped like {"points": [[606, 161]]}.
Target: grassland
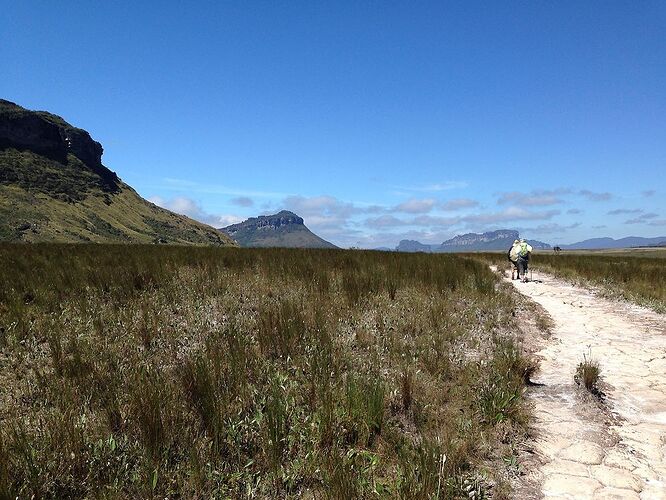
{"points": [[150, 371]]}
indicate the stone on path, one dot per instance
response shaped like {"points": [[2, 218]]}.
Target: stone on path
{"points": [[583, 452]]}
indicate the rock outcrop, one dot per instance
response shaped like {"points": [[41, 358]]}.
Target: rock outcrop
{"points": [[54, 187], [50, 136], [265, 223], [474, 240]]}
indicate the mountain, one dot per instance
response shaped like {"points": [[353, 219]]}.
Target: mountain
{"points": [[54, 187], [284, 229], [494, 240], [603, 243], [471, 242], [414, 246]]}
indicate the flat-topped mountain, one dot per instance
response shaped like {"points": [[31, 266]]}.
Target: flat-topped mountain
{"points": [[54, 187], [414, 246], [604, 243], [283, 229], [488, 240], [501, 239]]}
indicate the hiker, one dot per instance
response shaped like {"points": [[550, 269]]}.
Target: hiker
{"points": [[524, 252], [512, 255]]}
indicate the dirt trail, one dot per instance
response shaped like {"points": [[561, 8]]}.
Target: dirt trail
{"points": [[586, 451]]}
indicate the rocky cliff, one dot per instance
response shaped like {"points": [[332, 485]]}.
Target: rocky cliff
{"points": [[50, 136], [501, 239], [54, 187], [475, 240], [265, 223]]}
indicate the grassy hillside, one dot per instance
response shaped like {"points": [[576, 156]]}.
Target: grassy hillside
{"points": [[44, 200], [54, 187], [156, 371]]}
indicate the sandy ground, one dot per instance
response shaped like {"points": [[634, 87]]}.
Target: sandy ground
{"points": [[584, 448]]}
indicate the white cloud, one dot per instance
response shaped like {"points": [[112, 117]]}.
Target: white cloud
{"points": [[478, 220], [538, 197], [325, 215], [458, 203], [416, 206], [384, 221], [179, 204], [592, 196], [619, 211], [319, 205], [435, 187], [391, 239], [354, 224], [510, 214], [242, 201], [190, 208], [445, 186], [643, 219], [436, 221], [550, 228], [198, 187], [227, 220]]}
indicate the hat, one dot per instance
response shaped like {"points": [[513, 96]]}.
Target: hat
{"points": [[516, 242]]}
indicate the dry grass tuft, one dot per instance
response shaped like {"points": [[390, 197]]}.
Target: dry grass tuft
{"points": [[587, 374]]}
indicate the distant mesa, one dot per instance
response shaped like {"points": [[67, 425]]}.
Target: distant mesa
{"points": [[492, 240], [471, 242], [283, 229], [503, 238], [54, 187], [610, 243], [414, 246]]}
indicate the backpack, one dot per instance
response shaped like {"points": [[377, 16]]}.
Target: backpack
{"points": [[523, 250]]}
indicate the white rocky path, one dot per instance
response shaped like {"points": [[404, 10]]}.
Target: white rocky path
{"points": [[586, 453]]}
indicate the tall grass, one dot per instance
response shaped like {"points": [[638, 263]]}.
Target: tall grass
{"points": [[640, 279], [145, 371]]}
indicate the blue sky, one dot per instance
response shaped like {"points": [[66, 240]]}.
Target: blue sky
{"points": [[375, 121]]}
